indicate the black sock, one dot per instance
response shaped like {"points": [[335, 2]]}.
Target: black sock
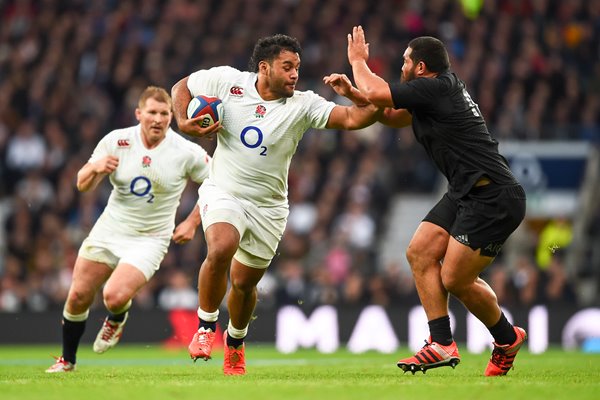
{"points": [[440, 330], [71, 332], [207, 325], [503, 331], [234, 342], [117, 317]]}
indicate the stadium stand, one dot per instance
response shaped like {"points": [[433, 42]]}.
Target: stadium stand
{"points": [[71, 71]]}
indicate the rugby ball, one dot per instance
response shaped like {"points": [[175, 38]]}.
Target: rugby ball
{"points": [[210, 107]]}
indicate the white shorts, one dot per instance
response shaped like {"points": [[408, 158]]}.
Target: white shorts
{"points": [[260, 228], [112, 248]]}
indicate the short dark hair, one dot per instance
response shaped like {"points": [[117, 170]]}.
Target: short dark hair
{"points": [[431, 51], [268, 48]]}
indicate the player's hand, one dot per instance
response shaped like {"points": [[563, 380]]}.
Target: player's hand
{"points": [[358, 48], [184, 232], [340, 83], [106, 165], [192, 127]]}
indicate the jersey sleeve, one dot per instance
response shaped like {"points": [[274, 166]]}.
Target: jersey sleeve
{"points": [[200, 165], [318, 109], [209, 82], [416, 93], [103, 148]]}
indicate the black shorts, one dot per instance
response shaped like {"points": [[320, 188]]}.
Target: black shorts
{"points": [[484, 218]]}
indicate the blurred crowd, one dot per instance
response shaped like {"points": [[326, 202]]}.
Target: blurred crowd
{"points": [[72, 70]]}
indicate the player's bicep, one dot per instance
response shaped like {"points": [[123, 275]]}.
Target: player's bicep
{"points": [[351, 117], [338, 118], [180, 93]]}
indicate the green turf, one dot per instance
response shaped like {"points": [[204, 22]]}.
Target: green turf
{"points": [[150, 372]]}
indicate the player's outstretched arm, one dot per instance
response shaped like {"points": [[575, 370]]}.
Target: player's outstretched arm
{"points": [[353, 117], [374, 88], [181, 98], [185, 231], [91, 174], [357, 116]]}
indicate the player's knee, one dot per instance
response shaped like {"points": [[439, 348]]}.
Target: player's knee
{"points": [[454, 284], [221, 254], [115, 301], [412, 255], [222, 245], [417, 257], [79, 300], [243, 285]]}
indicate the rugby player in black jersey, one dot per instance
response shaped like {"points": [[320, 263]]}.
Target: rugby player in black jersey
{"points": [[484, 204]]}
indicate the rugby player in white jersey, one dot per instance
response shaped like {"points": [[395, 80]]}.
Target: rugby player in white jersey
{"points": [[244, 203], [148, 166]]}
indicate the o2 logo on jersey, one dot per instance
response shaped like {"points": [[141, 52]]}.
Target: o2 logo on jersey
{"points": [[141, 186], [252, 137]]}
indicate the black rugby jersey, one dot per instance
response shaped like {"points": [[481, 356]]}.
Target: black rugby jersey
{"points": [[450, 126]]}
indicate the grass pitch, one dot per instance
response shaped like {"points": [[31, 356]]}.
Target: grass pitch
{"points": [[151, 372]]}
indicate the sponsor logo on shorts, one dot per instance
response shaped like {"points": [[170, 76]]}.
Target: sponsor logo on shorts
{"points": [[493, 248], [204, 210], [464, 239]]}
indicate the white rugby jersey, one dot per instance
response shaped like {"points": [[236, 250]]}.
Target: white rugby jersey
{"points": [[148, 183], [258, 138]]}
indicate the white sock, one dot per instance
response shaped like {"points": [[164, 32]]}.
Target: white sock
{"points": [[236, 333], [76, 317], [208, 316]]}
